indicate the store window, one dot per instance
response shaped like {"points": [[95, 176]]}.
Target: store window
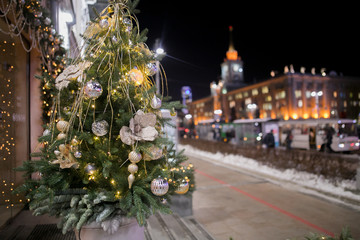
{"points": [[14, 121]]}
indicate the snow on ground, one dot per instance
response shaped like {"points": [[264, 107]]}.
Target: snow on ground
{"points": [[305, 182]]}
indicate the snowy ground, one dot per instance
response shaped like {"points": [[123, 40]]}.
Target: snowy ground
{"points": [[343, 192]]}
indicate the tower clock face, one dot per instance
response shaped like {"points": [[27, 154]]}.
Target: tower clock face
{"points": [[237, 68]]}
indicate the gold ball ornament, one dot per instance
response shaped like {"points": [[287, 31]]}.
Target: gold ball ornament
{"points": [[134, 157], [183, 187], [159, 186], [136, 76], [62, 125]]}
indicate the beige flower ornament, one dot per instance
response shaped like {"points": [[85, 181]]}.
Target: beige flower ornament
{"points": [[141, 128], [65, 158], [70, 73]]}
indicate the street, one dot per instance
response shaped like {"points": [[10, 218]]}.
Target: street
{"points": [[232, 204]]}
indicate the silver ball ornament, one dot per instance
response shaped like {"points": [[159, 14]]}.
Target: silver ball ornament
{"points": [[90, 168], [104, 23], [159, 186], [150, 69], [155, 102], [100, 128], [77, 154], [93, 89]]}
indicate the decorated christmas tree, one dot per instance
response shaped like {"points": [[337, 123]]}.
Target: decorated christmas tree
{"points": [[105, 152]]}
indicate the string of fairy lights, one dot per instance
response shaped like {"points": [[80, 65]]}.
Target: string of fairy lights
{"points": [[31, 18]]}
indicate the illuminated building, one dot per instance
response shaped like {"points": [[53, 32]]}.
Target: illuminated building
{"points": [[291, 95]]}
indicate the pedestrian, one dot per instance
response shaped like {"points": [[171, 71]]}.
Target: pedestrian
{"points": [[329, 136], [269, 140], [288, 140]]}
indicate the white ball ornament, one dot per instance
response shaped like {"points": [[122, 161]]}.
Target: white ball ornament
{"points": [[134, 157], [62, 125], [61, 136], [155, 102], [159, 186], [133, 168]]}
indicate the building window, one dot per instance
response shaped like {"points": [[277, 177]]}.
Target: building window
{"points": [[300, 103], [232, 104], [268, 98], [255, 92], [308, 94], [239, 96], [246, 94], [247, 101], [265, 90], [335, 94], [297, 93], [280, 95], [350, 94], [267, 106]]}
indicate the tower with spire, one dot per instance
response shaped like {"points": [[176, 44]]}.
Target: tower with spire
{"points": [[232, 71]]}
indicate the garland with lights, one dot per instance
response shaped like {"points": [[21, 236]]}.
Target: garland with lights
{"points": [[106, 155], [30, 16]]}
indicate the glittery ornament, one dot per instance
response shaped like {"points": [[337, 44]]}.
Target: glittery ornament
{"points": [[61, 136], [104, 23], [150, 69], [46, 132], [57, 152], [127, 22], [155, 102], [62, 125], [183, 187], [93, 89], [47, 21], [131, 179], [114, 39], [134, 157], [74, 142], [159, 186], [133, 168], [100, 128], [90, 168], [77, 154], [136, 76]]}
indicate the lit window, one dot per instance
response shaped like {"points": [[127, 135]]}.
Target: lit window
{"points": [[280, 95], [335, 94], [268, 98], [300, 103], [297, 93], [255, 92], [265, 90], [267, 106], [246, 94], [247, 101]]}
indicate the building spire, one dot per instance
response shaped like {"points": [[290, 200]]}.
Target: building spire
{"points": [[231, 54]]}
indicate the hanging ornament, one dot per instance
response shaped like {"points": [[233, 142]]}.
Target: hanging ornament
{"points": [[104, 23], [77, 154], [100, 128], [183, 187], [127, 22], [61, 136], [136, 76], [62, 125], [131, 179], [74, 142], [93, 89], [155, 102], [114, 39], [133, 168], [150, 69], [134, 157], [90, 168], [173, 112], [47, 21], [46, 132], [159, 186]]}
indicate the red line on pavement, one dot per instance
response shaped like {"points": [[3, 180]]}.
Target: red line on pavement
{"points": [[268, 204]]}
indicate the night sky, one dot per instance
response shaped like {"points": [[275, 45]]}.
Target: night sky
{"points": [[267, 36]]}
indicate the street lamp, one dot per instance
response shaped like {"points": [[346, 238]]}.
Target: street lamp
{"points": [[317, 95], [159, 54]]}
